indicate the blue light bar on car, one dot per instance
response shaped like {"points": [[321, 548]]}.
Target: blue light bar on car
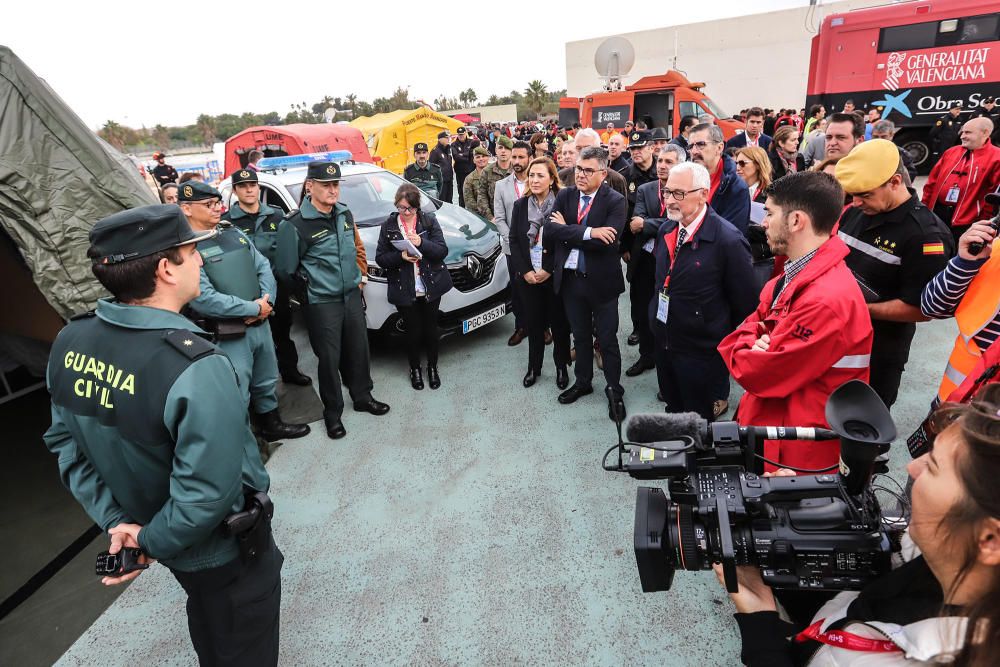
{"points": [[288, 161]]}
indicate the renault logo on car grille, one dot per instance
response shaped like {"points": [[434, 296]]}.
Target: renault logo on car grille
{"points": [[475, 266]]}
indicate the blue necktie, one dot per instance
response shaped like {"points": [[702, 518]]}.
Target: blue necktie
{"points": [[581, 264]]}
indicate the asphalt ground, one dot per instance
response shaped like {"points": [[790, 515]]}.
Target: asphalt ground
{"points": [[470, 525]]}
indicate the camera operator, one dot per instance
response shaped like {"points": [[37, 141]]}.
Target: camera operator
{"points": [[811, 332], [940, 606]]}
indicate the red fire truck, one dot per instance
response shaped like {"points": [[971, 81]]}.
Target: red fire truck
{"points": [[910, 60]]}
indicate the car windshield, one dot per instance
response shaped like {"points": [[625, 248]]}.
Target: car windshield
{"points": [[369, 196]]}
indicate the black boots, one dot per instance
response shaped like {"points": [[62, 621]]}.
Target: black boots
{"points": [[433, 379], [272, 428], [416, 379]]}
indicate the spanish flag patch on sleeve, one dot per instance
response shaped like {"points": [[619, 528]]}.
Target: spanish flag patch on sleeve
{"points": [[934, 248]]}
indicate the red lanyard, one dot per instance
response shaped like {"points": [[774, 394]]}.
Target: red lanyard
{"points": [[517, 190], [406, 227], [582, 215], [846, 640], [670, 238], [663, 202]]}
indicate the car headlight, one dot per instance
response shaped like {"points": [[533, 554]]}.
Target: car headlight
{"points": [[376, 273]]}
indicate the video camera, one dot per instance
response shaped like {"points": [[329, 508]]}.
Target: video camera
{"points": [[822, 532]]}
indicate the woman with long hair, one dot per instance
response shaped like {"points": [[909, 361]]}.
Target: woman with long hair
{"points": [[754, 166], [943, 604], [542, 305], [785, 155], [539, 143], [415, 283]]}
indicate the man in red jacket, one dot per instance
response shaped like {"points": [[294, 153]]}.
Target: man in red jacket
{"points": [[811, 331], [963, 176]]}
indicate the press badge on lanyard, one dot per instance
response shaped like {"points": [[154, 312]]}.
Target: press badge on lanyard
{"points": [[663, 298], [951, 197], [536, 252], [574, 255]]}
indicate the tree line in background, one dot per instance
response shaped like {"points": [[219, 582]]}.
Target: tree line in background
{"points": [[535, 101]]}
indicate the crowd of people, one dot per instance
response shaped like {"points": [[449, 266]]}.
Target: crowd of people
{"points": [[791, 258]]}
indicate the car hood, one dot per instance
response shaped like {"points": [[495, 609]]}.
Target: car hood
{"points": [[464, 232]]}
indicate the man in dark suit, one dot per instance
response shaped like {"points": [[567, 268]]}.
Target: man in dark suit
{"points": [[582, 235], [705, 289], [649, 213], [753, 132]]}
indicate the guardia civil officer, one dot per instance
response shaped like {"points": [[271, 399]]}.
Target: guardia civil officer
{"points": [[897, 246], [235, 301], [424, 174], [152, 436], [259, 222], [316, 253]]}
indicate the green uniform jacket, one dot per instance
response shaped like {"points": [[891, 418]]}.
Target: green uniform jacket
{"points": [[470, 191], [261, 228], [216, 304], [327, 258], [492, 175], [171, 452], [428, 178]]}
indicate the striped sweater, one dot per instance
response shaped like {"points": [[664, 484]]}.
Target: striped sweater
{"points": [[944, 292]]}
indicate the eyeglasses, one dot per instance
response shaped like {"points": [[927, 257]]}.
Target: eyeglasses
{"points": [[742, 163], [208, 204], [406, 210], [587, 171], [701, 145], [679, 195]]}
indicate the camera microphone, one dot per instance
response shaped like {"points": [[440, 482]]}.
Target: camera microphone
{"points": [[678, 425]]}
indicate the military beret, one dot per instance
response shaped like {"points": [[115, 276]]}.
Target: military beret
{"points": [[479, 150], [638, 139], [197, 191], [443, 133], [419, 146], [140, 232], [506, 142], [867, 166], [323, 171], [244, 176]]}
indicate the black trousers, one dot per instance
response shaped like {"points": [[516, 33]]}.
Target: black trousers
{"points": [[447, 189], [543, 309], [339, 337], [884, 377], [690, 381], [640, 292], [281, 333], [421, 319], [586, 316], [515, 298], [233, 611]]}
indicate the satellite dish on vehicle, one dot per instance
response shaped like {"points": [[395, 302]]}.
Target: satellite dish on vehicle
{"points": [[614, 59]]}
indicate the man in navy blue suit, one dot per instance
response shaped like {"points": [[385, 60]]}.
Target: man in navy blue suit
{"points": [[581, 239], [727, 193], [753, 132], [704, 289]]}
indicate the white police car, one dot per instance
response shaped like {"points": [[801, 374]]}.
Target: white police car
{"points": [[480, 294]]}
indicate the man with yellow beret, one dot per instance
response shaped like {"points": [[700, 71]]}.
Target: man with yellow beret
{"points": [[897, 245]]}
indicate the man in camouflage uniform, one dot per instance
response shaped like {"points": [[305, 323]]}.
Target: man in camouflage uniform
{"points": [[470, 189], [493, 174]]}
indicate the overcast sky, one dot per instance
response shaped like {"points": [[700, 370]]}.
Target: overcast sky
{"points": [[143, 63]]}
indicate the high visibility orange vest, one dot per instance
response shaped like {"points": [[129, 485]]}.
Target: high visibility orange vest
{"points": [[978, 308]]}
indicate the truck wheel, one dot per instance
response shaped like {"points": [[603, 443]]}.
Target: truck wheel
{"points": [[919, 149]]}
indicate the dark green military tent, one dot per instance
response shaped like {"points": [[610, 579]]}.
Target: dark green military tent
{"points": [[57, 178]]}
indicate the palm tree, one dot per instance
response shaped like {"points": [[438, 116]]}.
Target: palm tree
{"points": [[206, 128], [352, 102], [113, 133], [536, 96]]}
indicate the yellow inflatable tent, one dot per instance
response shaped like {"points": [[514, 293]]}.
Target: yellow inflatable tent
{"points": [[390, 136]]}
